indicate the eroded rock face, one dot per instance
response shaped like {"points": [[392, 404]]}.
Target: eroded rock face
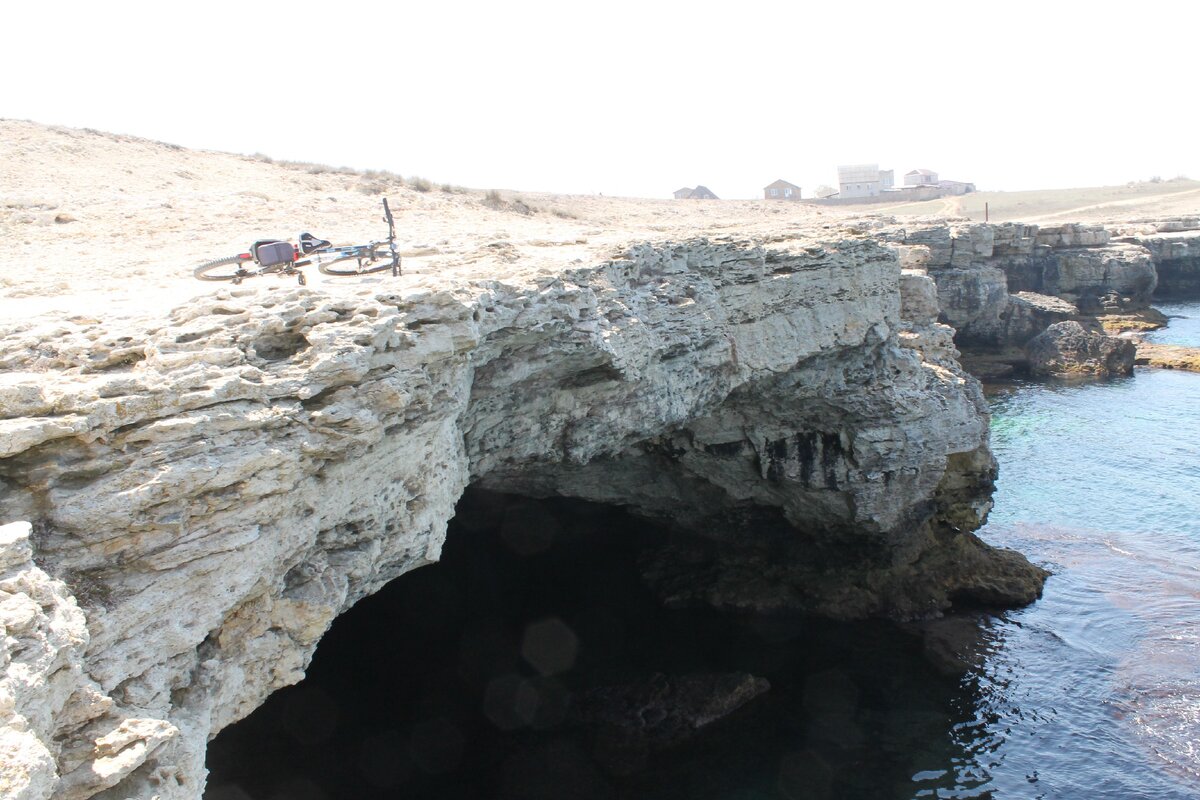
{"points": [[1068, 348], [1176, 253], [216, 486], [1001, 285]]}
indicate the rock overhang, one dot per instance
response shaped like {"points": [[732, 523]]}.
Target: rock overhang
{"points": [[218, 485]]}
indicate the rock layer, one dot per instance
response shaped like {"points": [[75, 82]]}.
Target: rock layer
{"points": [[216, 486]]}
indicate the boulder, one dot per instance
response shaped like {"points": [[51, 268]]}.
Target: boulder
{"points": [[1030, 313], [1070, 349]]}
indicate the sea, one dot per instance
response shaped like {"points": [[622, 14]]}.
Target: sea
{"points": [[1094, 691]]}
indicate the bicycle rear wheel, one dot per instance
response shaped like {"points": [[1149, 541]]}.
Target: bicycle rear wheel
{"points": [[348, 265], [223, 269]]}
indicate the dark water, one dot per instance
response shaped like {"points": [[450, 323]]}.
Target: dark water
{"points": [[430, 690]]}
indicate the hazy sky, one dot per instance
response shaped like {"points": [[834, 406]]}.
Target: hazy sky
{"points": [[631, 98]]}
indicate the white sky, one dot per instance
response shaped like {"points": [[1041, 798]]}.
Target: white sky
{"points": [[631, 98]]}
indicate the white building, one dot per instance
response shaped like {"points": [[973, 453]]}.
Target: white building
{"points": [[863, 180], [921, 177]]}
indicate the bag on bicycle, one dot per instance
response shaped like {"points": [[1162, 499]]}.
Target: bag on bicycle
{"points": [[269, 253]]}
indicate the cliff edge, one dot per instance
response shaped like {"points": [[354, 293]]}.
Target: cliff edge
{"points": [[208, 484]]}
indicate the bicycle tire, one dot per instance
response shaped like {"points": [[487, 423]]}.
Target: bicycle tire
{"points": [[328, 268], [211, 270]]}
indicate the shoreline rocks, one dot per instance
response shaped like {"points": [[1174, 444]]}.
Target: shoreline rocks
{"points": [[1002, 285], [1167, 356], [1068, 349]]}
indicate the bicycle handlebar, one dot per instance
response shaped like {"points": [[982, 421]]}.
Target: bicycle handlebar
{"points": [[387, 217]]}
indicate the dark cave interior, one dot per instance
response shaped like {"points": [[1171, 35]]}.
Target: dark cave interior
{"points": [[471, 678]]}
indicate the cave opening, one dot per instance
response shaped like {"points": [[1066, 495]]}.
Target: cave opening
{"points": [[533, 661]]}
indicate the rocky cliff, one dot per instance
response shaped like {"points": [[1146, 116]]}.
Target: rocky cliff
{"points": [[1175, 248], [1002, 285], [208, 489]]}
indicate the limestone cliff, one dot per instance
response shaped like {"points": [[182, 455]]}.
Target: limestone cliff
{"points": [[1002, 285], [214, 486]]}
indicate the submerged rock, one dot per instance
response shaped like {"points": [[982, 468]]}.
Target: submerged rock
{"points": [[1070, 349], [664, 710]]}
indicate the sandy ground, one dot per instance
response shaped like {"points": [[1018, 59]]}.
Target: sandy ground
{"points": [[92, 221], [96, 223]]}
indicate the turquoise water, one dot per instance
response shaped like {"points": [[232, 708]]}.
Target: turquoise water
{"points": [[1184, 327], [1095, 690]]}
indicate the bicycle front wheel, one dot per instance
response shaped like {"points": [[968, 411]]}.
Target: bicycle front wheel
{"points": [[349, 265], [223, 269]]}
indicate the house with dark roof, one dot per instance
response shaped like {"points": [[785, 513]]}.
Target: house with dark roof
{"points": [[699, 193], [781, 190]]}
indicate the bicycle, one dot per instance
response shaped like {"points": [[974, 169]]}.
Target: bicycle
{"points": [[273, 256]]}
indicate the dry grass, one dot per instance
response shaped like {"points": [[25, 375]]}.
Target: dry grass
{"points": [[1144, 198]]}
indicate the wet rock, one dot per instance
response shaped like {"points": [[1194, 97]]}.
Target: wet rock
{"points": [[954, 644], [1070, 349], [1139, 321], [1168, 356]]}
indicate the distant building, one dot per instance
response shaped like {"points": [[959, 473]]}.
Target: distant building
{"points": [[781, 190], [921, 177], [956, 187], [699, 193], [863, 180]]}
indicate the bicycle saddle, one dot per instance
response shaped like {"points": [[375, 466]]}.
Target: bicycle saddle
{"points": [[309, 243]]}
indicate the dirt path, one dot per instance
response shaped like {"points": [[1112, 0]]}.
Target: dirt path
{"points": [[1132, 201]]}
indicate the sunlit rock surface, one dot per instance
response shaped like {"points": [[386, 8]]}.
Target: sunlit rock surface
{"points": [[215, 485]]}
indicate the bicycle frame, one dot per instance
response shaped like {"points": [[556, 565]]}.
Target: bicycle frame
{"points": [[362, 253], [372, 257]]}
